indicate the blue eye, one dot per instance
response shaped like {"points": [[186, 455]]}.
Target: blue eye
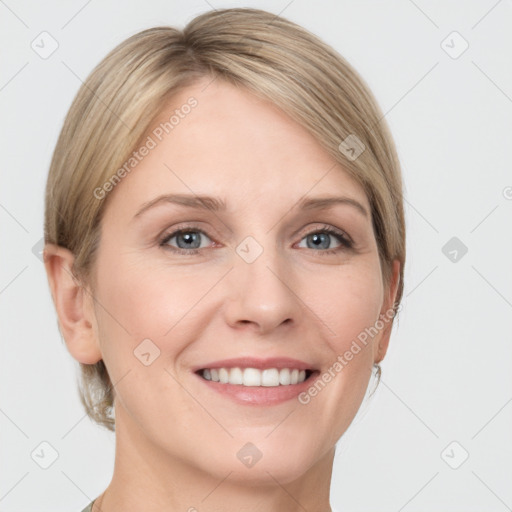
{"points": [[188, 240], [320, 238]]}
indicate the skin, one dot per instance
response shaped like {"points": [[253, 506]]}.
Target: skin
{"points": [[176, 440]]}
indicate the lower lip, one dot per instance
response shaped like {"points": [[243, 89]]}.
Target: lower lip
{"points": [[259, 395]]}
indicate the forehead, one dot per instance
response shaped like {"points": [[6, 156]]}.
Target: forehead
{"points": [[236, 146]]}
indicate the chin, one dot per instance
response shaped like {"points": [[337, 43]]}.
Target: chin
{"points": [[263, 463]]}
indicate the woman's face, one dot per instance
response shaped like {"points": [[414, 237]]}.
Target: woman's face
{"points": [[258, 278]]}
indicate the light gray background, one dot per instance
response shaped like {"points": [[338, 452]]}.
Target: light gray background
{"points": [[447, 374]]}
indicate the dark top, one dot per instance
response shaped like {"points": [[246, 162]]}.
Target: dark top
{"points": [[89, 507]]}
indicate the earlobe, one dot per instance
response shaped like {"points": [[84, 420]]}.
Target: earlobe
{"points": [[387, 308], [73, 304]]}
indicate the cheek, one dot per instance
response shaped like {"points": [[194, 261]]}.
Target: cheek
{"points": [[152, 301], [142, 327], [136, 292], [348, 303]]}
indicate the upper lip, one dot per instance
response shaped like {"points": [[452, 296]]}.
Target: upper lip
{"points": [[259, 363]]}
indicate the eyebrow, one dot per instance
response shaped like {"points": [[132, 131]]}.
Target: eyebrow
{"points": [[216, 204]]}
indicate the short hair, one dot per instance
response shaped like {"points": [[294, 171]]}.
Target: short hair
{"points": [[268, 55]]}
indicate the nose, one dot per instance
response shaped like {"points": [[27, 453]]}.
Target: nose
{"points": [[260, 294]]}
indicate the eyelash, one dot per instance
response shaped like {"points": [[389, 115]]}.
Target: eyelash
{"points": [[346, 243]]}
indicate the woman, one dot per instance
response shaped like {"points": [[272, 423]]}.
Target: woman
{"points": [[225, 245]]}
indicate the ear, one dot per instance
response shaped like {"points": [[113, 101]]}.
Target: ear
{"points": [[386, 311], [74, 305]]}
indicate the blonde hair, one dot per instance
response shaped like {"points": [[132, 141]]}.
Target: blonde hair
{"points": [[269, 55]]}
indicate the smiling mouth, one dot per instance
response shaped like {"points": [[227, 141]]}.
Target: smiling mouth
{"points": [[254, 377]]}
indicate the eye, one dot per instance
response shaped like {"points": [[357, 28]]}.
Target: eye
{"points": [[188, 240], [321, 239]]}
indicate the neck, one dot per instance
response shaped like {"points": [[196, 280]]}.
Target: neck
{"points": [[147, 478]]}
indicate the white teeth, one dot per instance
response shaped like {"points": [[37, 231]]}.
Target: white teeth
{"points": [[236, 376], [252, 377], [223, 375], [269, 377], [284, 377]]}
